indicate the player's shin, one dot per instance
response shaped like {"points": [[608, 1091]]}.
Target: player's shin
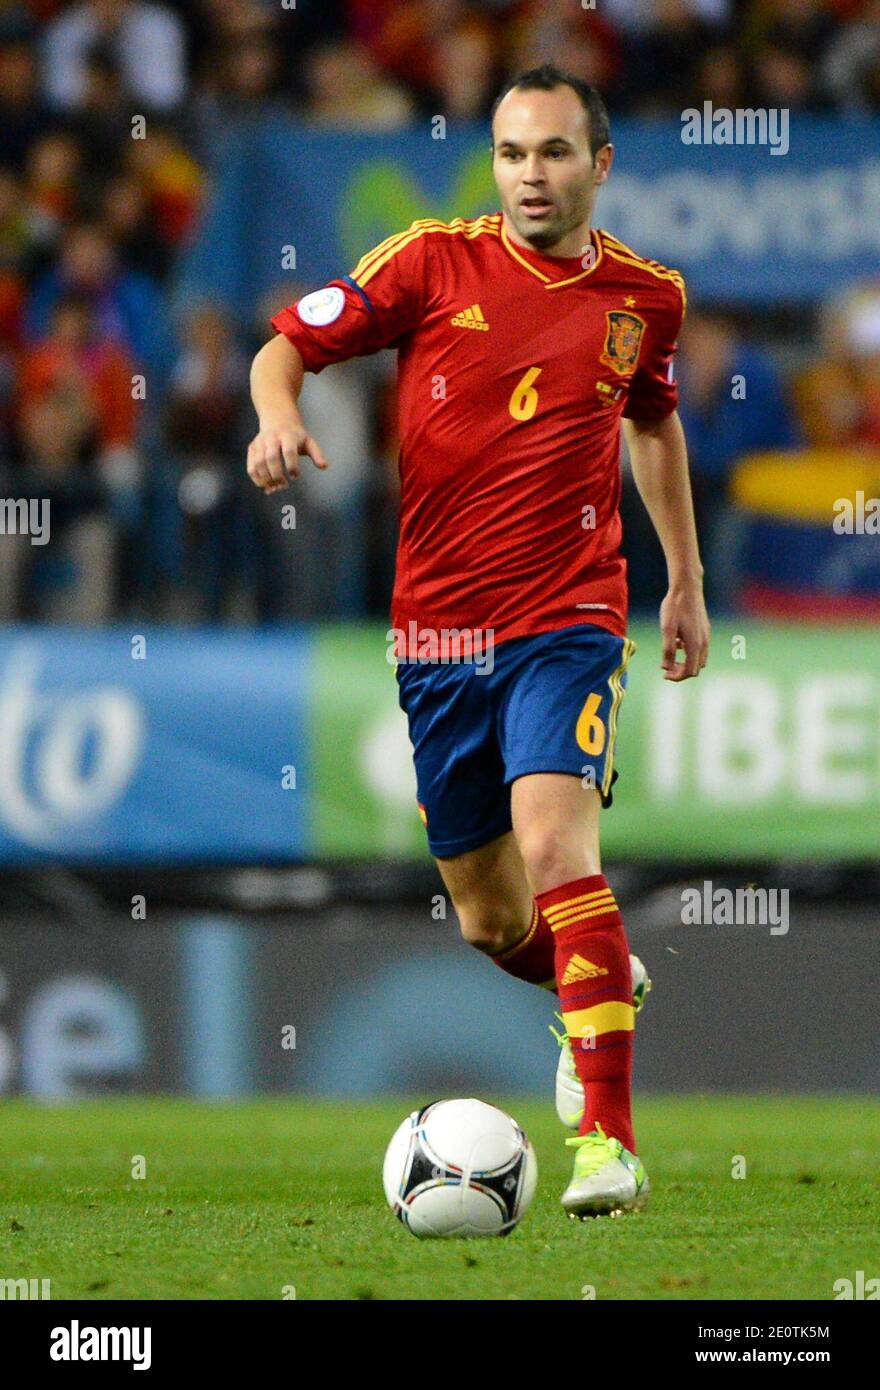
{"points": [[594, 982]]}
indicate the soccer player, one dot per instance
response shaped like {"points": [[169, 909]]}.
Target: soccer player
{"points": [[525, 340]]}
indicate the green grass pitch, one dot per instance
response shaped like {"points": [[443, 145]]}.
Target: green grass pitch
{"points": [[248, 1201]]}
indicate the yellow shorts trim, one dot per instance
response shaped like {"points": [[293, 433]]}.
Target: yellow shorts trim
{"points": [[617, 693]]}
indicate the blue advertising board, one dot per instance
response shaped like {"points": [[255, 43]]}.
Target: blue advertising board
{"points": [[158, 745]]}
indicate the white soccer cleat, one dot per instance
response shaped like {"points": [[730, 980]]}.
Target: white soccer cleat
{"points": [[569, 1091], [607, 1180]]}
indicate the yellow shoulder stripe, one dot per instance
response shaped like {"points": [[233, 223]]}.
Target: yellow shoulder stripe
{"points": [[652, 266], [621, 245], [390, 242], [374, 260], [625, 256], [617, 245]]}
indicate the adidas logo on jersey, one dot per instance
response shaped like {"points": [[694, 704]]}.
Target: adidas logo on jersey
{"points": [[580, 969], [471, 318]]}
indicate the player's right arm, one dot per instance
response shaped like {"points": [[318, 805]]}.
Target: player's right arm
{"points": [[276, 382], [382, 300]]}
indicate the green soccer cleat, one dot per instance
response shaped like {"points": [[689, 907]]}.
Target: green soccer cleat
{"points": [[607, 1180], [569, 1091]]}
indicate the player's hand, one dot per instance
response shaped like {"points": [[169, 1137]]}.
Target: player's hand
{"points": [[684, 627], [274, 453]]}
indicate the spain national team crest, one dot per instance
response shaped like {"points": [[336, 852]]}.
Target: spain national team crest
{"points": [[622, 341]]}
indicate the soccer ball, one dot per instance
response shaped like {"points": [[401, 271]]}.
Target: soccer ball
{"points": [[459, 1168]]}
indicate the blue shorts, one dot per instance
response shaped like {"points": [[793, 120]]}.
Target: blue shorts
{"points": [[549, 704]]}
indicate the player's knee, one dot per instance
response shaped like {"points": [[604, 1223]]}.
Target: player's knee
{"points": [[551, 858], [487, 929]]}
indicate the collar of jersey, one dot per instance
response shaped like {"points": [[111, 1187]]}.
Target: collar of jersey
{"points": [[542, 266]]}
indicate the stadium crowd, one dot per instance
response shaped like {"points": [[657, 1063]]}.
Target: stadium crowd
{"points": [[133, 422]]}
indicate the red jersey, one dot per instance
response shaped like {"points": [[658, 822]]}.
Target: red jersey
{"points": [[514, 370]]}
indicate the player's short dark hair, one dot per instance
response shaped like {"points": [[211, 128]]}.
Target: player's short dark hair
{"points": [[546, 79]]}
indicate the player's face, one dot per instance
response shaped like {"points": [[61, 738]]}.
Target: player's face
{"points": [[546, 175]]}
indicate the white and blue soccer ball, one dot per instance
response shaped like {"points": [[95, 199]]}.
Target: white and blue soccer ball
{"points": [[459, 1168]]}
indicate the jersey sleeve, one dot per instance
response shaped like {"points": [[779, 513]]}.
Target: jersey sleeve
{"points": [[382, 300], [653, 392]]}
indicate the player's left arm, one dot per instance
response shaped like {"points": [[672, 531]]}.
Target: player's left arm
{"points": [[658, 455]]}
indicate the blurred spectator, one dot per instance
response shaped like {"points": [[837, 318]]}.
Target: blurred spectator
{"points": [[345, 90], [232, 21], [250, 73], [172, 183], [13, 246], [71, 579], [208, 384], [52, 179], [147, 42], [73, 357], [127, 305], [851, 65], [367, 19], [16, 244], [720, 78], [732, 403], [205, 425], [23, 116], [406, 44], [546, 29], [25, 235], [76, 364], [664, 41], [465, 76], [14, 228], [783, 79], [126, 214], [245, 79], [101, 121], [800, 26], [838, 395]]}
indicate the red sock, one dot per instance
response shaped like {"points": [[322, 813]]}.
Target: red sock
{"points": [[532, 959], [595, 991]]}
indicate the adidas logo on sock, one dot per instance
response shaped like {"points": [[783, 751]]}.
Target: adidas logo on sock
{"points": [[580, 969], [471, 318]]}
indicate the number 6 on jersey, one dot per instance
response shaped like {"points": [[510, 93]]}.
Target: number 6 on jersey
{"points": [[524, 401]]}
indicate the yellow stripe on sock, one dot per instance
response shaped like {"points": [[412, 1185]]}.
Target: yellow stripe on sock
{"points": [[588, 910], [583, 900], [583, 916], [613, 1017], [567, 911]]}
